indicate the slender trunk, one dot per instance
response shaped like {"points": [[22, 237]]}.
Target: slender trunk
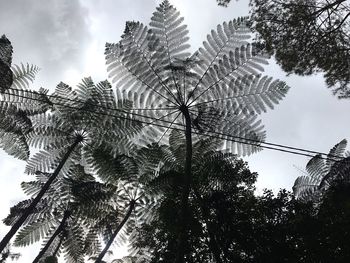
{"points": [[37, 199], [213, 245], [120, 226], [57, 232], [58, 247], [184, 213]]}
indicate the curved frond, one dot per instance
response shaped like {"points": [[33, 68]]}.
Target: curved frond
{"points": [[34, 232], [166, 25], [74, 244], [305, 187], [43, 161], [321, 173], [15, 145], [23, 75], [336, 153], [29, 101], [248, 94], [112, 168], [137, 62]]}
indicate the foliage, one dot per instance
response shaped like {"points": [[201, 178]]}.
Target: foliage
{"points": [[153, 68], [17, 103], [218, 89], [224, 3], [212, 171], [5, 64], [64, 198], [6, 254], [246, 228], [307, 37], [321, 172]]}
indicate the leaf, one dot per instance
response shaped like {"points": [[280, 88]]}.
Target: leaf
{"points": [[23, 75], [33, 232], [166, 25]]}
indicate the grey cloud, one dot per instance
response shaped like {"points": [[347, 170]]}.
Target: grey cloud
{"points": [[49, 33]]}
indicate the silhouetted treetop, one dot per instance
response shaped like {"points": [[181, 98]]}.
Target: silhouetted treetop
{"points": [[307, 37]]}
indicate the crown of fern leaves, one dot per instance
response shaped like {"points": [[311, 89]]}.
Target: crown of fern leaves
{"points": [[152, 67]]}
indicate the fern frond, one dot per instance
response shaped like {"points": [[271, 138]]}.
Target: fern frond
{"points": [[131, 65], [43, 161], [92, 243], [74, 244], [305, 187], [42, 136], [336, 153], [316, 168], [31, 102], [23, 75], [250, 94], [243, 133], [166, 25], [16, 211], [34, 232], [220, 45], [14, 145], [112, 168], [32, 187], [241, 64]]}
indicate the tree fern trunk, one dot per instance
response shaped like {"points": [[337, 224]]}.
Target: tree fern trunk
{"points": [[57, 232], [36, 200], [58, 247], [120, 226], [184, 213], [213, 245]]}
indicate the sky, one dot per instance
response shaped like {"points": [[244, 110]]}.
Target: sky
{"points": [[66, 39]]}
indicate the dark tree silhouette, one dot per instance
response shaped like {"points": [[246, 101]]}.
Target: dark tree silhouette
{"points": [[5, 64], [307, 37], [228, 223], [217, 89]]}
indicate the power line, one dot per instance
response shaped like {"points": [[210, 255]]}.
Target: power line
{"points": [[170, 122], [234, 138], [237, 139]]}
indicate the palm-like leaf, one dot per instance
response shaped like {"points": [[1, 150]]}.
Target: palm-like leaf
{"points": [[23, 75], [320, 173], [152, 67]]}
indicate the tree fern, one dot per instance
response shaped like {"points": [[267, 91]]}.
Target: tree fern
{"points": [[66, 217], [80, 128], [169, 88]]}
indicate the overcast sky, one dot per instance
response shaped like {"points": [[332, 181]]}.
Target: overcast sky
{"points": [[66, 39]]}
